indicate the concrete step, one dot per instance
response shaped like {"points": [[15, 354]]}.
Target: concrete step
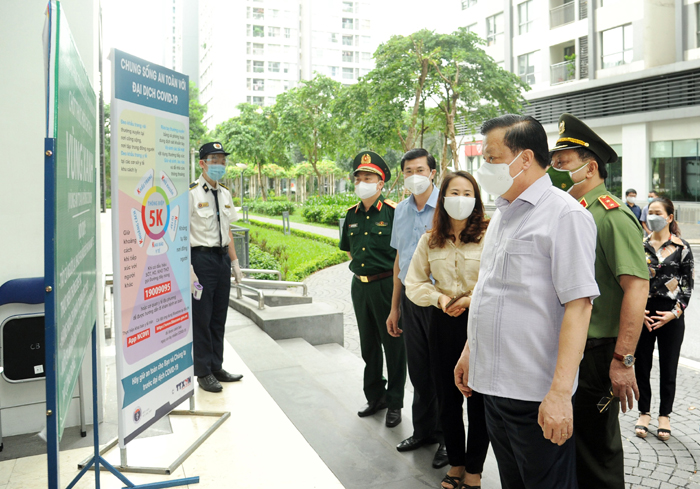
{"points": [[276, 298]]}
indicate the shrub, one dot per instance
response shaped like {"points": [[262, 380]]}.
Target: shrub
{"points": [[271, 208], [298, 232], [325, 214], [237, 201], [262, 260], [346, 200]]}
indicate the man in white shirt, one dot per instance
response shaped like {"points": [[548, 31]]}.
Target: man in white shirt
{"points": [[530, 309]]}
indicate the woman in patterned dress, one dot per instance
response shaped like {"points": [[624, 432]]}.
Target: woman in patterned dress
{"points": [[670, 262]]}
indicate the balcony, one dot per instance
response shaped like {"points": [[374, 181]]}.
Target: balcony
{"points": [[562, 72], [562, 15]]}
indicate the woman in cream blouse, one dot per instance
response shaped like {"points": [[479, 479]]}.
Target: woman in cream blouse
{"points": [[451, 253]]}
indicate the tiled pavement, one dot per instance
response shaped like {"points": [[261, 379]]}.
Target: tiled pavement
{"points": [[648, 462]]}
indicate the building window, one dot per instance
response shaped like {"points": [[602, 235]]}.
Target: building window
{"points": [[273, 31], [348, 74], [468, 3], [366, 25], [347, 23], [527, 67], [287, 32], [258, 101], [366, 57], [525, 15], [274, 84], [617, 46], [275, 13], [258, 13], [273, 66], [333, 37], [258, 49], [494, 29], [675, 169], [258, 31], [249, 84], [614, 181], [286, 67], [347, 40], [273, 49], [249, 99], [258, 66], [348, 56], [347, 7], [366, 41], [334, 70], [247, 65], [472, 28], [258, 84]]}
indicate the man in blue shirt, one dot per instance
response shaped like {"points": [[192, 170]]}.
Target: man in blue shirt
{"points": [[630, 195], [413, 217]]}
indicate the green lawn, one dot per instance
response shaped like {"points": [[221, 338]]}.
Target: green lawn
{"points": [[298, 218]]}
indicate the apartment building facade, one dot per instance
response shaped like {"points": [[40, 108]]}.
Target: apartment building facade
{"points": [[253, 50], [629, 68]]}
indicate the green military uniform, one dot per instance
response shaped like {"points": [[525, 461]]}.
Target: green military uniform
{"points": [[619, 251], [366, 235]]}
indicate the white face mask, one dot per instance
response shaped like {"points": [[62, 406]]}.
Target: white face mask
{"points": [[656, 223], [495, 178], [417, 184], [365, 190], [459, 208]]}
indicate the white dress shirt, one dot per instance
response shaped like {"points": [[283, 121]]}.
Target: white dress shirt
{"points": [[539, 254], [204, 226]]}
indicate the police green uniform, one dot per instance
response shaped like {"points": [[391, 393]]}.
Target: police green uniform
{"points": [[619, 251], [366, 235]]}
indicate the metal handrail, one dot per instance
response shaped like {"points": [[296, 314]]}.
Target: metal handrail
{"points": [[254, 281], [239, 292], [258, 270]]}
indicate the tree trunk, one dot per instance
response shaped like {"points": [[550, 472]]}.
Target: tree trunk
{"points": [[261, 183], [443, 161]]}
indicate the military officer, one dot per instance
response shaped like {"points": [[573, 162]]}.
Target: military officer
{"points": [[606, 377], [214, 261], [366, 236]]}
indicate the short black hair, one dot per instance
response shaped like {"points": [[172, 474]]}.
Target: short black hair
{"points": [[414, 153], [588, 155], [654, 192], [630, 191], [522, 132]]}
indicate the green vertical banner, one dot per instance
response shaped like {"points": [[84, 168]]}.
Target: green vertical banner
{"points": [[71, 227]]}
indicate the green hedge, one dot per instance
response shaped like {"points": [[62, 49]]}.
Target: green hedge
{"points": [[271, 208], [345, 200], [325, 214], [262, 260], [297, 232]]}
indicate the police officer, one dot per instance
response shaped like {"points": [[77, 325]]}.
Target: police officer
{"points": [[606, 377], [214, 261], [366, 237]]}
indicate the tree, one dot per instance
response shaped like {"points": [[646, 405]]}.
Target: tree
{"points": [[198, 130], [305, 118], [253, 137], [470, 86]]}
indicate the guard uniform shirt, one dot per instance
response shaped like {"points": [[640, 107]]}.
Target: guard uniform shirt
{"points": [[367, 236], [619, 251], [205, 228]]}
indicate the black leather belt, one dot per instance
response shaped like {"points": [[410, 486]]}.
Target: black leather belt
{"points": [[596, 342], [218, 250], [372, 278]]}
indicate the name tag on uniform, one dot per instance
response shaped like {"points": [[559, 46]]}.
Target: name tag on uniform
{"points": [[381, 223], [203, 204], [227, 206], [352, 225]]}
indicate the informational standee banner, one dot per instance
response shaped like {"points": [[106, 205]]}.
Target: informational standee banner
{"points": [[150, 226], [70, 230]]}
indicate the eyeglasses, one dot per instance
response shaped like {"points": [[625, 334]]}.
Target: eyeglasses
{"points": [[604, 403]]}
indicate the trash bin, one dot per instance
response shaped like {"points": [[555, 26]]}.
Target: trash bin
{"points": [[241, 240]]}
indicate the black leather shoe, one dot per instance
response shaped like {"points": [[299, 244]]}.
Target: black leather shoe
{"points": [[209, 383], [393, 417], [372, 407], [411, 443], [440, 459], [223, 376]]}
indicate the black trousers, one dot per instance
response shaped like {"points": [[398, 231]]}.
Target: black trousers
{"points": [[600, 459], [526, 460], [448, 335], [209, 313], [670, 338], [415, 322]]}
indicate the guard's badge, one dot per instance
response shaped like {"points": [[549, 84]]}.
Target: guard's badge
{"points": [[203, 204], [217, 145], [382, 223], [227, 206], [354, 225], [562, 127], [583, 202], [608, 202], [366, 159]]}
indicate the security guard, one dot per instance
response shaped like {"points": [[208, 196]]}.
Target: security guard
{"points": [[366, 237], [606, 376], [214, 261]]}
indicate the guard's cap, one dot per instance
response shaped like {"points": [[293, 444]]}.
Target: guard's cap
{"points": [[573, 133], [214, 148], [371, 162]]}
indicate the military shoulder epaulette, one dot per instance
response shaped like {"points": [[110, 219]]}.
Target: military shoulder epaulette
{"points": [[193, 185], [223, 186], [390, 203], [352, 207], [608, 202]]}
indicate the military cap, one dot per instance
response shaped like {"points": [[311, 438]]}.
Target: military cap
{"points": [[371, 162], [573, 133], [214, 148]]}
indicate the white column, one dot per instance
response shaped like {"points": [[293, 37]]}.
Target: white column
{"points": [[636, 163]]}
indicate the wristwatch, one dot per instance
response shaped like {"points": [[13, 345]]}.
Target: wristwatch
{"points": [[627, 360]]}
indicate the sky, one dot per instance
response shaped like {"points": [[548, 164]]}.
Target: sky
{"points": [[132, 25]]}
